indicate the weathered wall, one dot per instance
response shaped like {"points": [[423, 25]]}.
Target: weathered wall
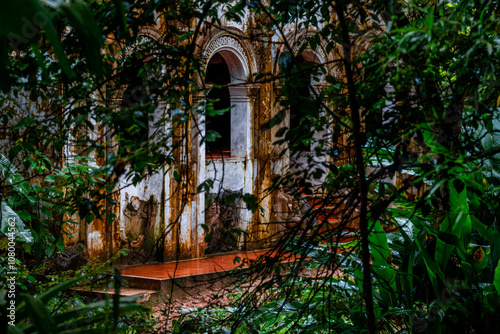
{"points": [[160, 219]]}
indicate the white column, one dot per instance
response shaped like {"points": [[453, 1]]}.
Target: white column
{"points": [[240, 121]]}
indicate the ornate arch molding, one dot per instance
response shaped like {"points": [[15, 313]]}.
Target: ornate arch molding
{"points": [[296, 40], [364, 43], [241, 61], [230, 40], [145, 34]]}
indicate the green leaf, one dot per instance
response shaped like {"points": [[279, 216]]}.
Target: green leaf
{"points": [[89, 217], [10, 173], [381, 261], [46, 211], [496, 278], [212, 135], [120, 13], [39, 315], [457, 223], [50, 178], [81, 19], [433, 269], [11, 223], [429, 21]]}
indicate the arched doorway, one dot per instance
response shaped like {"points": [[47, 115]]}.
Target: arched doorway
{"points": [[305, 135], [227, 158], [227, 68], [218, 118]]}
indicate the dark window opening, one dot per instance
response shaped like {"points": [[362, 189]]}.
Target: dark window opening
{"points": [[301, 105], [136, 100], [218, 74]]}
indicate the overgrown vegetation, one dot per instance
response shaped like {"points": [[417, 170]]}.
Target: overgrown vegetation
{"points": [[402, 235], [417, 101]]}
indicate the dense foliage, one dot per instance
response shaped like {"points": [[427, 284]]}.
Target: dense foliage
{"points": [[414, 171]]}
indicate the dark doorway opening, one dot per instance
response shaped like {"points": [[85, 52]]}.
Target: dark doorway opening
{"points": [[218, 74], [136, 104], [301, 107], [299, 122]]}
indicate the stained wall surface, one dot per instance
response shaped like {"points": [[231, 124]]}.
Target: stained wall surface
{"points": [[163, 219]]}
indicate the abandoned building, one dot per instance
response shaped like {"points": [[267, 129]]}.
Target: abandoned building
{"points": [[159, 219], [244, 160]]}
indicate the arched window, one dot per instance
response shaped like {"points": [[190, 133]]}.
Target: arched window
{"points": [[136, 104], [303, 106], [299, 123], [218, 120]]}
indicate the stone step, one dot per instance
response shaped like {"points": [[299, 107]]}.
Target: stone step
{"points": [[143, 295], [165, 277]]}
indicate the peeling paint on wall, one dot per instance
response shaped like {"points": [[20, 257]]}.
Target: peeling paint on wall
{"points": [[139, 223], [95, 244], [160, 218]]}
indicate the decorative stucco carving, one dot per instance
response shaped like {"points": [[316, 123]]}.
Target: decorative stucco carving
{"points": [[225, 41], [139, 221], [141, 41], [318, 51]]}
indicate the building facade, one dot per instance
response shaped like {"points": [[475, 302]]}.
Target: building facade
{"points": [[166, 216]]}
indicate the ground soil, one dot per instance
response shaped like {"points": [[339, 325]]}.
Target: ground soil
{"points": [[220, 293]]}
